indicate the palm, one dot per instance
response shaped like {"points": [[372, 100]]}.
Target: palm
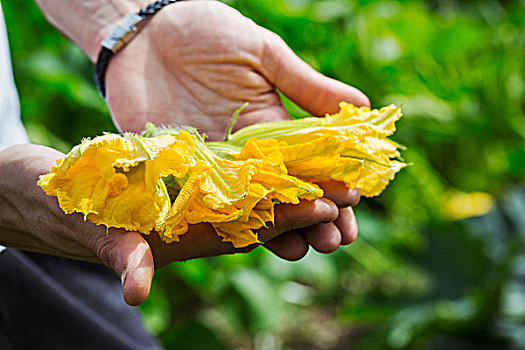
{"points": [[187, 71], [203, 72]]}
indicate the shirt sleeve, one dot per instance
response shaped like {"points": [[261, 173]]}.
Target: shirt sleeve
{"points": [[11, 129]]}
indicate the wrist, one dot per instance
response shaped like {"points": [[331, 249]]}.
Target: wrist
{"points": [[15, 223], [112, 16], [29, 219], [87, 31], [123, 32]]}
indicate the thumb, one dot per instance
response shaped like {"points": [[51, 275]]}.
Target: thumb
{"points": [[130, 256], [309, 89]]}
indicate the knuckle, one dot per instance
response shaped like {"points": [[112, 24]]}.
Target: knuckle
{"points": [[105, 248]]}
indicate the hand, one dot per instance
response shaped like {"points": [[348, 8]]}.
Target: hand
{"points": [[193, 64], [183, 71], [325, 237], [31, 220], [319, 223], [196, 62]]}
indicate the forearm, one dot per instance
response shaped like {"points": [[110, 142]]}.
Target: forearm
{"points": [[29, 219], [33, 221], [87, 22]]}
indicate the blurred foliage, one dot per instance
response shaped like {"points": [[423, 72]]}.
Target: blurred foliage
{"points": [[414, 279]]}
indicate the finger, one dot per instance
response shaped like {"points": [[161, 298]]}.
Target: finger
{"points": [[325, 238], [200, 241], [311, 90], [289, 217], [347, 225], [337, 192], [129, 255], [289, 246]]}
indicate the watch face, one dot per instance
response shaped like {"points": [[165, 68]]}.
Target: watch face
{"points": [[123, 31]]}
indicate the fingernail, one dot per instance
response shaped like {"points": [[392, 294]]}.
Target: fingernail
{"points": [[355, 196], [325, 203], [321, 201], [123, 277], [330, 207]]}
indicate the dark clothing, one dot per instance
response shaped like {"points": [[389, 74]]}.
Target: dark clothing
{"points": [[47, 302]]}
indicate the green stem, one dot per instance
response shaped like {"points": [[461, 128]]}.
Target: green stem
{"points": [[272, 130], [234, 118], [223, 149]]}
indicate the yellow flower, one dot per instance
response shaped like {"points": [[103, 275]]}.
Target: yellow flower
{"points": [[349, 146], [459, 205], [184, 193], [173, 179], [168, 182], [230, 196], [318, 158], [117, 180]]}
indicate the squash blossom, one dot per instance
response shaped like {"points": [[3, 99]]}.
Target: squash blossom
{"points": [[350, 146], [168, 179], [167, 182]]}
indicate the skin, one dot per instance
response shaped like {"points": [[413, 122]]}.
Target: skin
{"points": [[180, 71], [33, 221]]}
